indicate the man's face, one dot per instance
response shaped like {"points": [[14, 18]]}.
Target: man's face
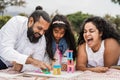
{"points": [[37, 29]]}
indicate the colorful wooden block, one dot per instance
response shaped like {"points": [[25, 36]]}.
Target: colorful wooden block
{"points": [[70, 62], [57, 69], [46, 71]]}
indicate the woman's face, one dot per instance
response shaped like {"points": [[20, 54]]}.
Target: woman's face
{"points": [[58, 33], [91, 35]]}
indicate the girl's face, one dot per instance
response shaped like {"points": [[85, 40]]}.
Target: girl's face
{"points": [[58, 33], [91, 35]]}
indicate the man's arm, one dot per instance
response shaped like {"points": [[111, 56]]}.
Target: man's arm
{"points": [[8, 35]]}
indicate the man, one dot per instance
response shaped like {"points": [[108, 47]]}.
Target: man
{"points": [[22, 41]]}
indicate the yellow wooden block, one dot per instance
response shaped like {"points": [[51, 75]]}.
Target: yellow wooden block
{"points": [[56, 69]]}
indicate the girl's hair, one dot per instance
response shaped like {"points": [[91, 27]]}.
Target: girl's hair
{"points": [[103, 26], [61, 22]]}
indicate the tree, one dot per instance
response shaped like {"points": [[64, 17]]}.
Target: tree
{"points": [[2, 6], [3, 20], [117, 22], [7, 3], [23, 14], [116, 1], [76, 19]]}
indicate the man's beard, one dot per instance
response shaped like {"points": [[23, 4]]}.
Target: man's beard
{"points": [[31, 36]]}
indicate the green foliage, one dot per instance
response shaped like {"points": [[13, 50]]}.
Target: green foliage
{"points": [[7, 3], [76, 19], [117, 22], [23, 14], [3, 20], [114, 20], [116, 1]]}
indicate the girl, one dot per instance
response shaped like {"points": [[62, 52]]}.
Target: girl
{"points": [[60, 37]]}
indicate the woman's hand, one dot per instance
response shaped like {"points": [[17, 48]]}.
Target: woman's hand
{"points": [[100, 69]]}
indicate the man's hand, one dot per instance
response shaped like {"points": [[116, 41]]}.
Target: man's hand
{"points": [[38, 63], [17, 67]]}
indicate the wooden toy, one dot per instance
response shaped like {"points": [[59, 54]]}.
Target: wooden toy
{"points": [[57, 69], [70, 62], [46, 71]]}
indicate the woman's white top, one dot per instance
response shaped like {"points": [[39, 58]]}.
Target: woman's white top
{"points": [[96, 58]]}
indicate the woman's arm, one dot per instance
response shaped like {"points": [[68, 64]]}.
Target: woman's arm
{"points": [[81, 60], [112, 52]]}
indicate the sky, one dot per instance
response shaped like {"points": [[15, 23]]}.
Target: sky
{"points": [[95, 7]]}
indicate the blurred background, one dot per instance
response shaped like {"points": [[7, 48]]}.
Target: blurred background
{"points": [[75, 10]]}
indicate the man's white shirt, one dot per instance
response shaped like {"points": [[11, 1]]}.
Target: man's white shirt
{"points": [[15, 45]]}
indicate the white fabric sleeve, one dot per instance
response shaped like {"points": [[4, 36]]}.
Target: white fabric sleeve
{"points": [[47, 60], [8, 38]]}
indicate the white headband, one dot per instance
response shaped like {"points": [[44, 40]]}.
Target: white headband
{"points": [[58, 22]]}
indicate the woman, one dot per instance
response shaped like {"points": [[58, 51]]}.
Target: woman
{"points": [[60, 37], [99, 46]]}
